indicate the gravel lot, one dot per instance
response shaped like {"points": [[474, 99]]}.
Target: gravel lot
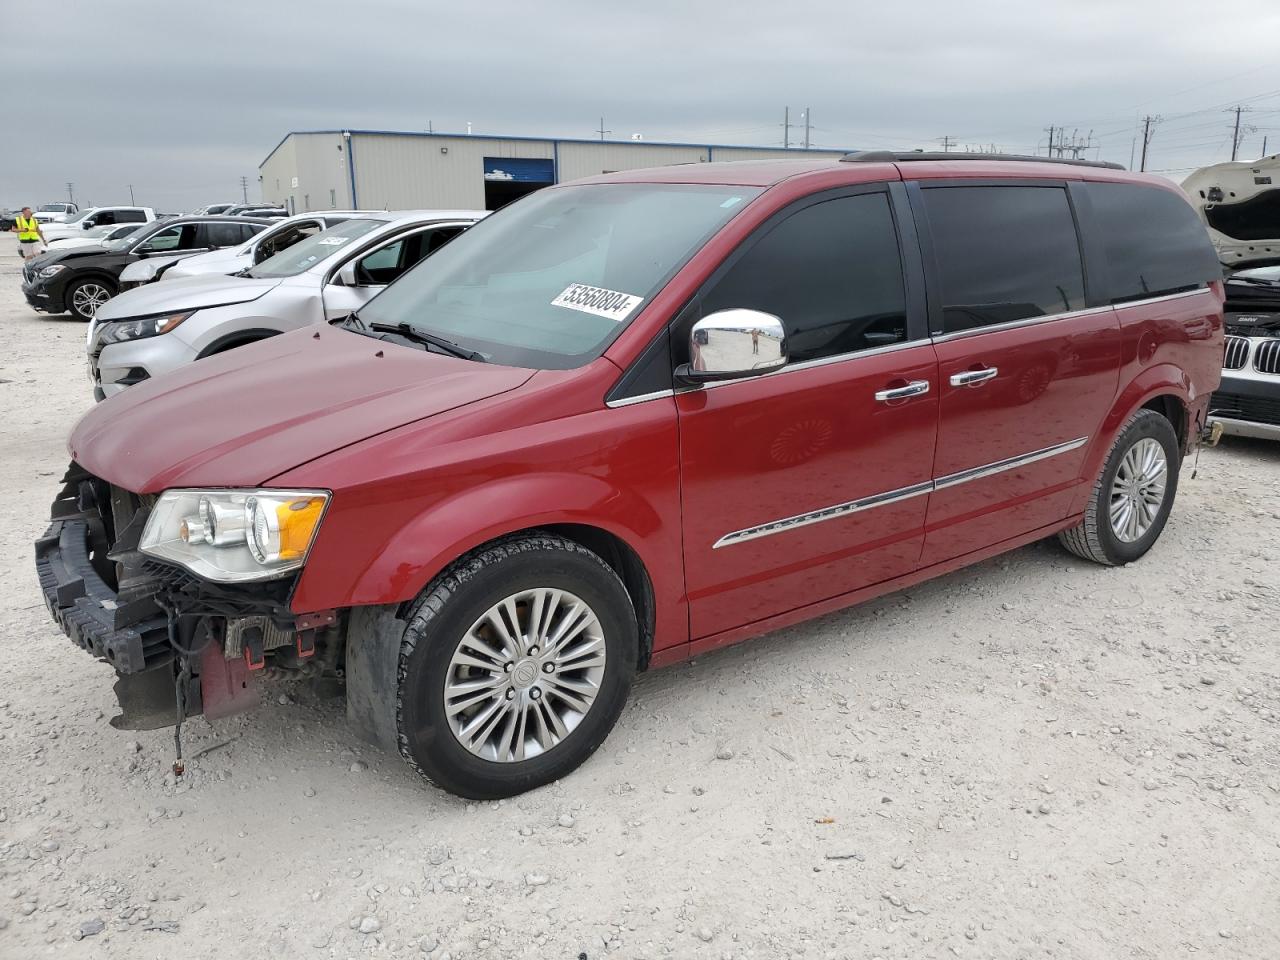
{"points": [[1035, 757]]}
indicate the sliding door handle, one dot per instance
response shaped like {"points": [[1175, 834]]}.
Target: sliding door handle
{"points": [[971, 378], [912, 389]]}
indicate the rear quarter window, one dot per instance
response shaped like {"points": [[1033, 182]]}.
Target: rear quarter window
{"points": [[1152, 241]]}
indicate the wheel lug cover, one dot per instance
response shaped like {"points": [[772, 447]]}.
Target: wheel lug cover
{"points": [[508, 667], [535, 693], [548, 667], [533, 651], [511, 694]]}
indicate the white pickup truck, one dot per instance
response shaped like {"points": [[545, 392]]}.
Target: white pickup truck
{"points": [[96, 217]]}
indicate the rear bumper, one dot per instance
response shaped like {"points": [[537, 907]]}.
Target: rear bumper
{"points": [[1244, 428], [1247, 406]]}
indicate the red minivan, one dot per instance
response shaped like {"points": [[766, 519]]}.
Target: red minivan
{"points": [[634, 418]]}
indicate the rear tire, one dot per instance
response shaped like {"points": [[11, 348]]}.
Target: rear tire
{"points": [[1132, 497], [485, 708]]}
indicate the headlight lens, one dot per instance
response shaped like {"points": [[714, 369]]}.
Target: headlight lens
{"points": [[235, 535], [49, 271], [118, 331]]}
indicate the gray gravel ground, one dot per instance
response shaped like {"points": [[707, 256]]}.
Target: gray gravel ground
{"points": [[1031, 758]]}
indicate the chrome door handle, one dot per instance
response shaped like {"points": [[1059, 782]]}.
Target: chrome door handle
{"points": [[971, 378], [912, 389]]}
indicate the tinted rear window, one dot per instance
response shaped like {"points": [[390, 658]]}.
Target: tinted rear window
{"points": [[1004, 253], [1152, 240]]}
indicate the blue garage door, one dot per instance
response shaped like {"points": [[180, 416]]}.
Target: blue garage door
{"points": [[519, 170]]}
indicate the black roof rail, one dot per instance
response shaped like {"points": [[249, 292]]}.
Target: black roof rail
{"points": [[890, 156]]}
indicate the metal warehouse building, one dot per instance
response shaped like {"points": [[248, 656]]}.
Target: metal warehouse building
{"points": [[384, 169]]}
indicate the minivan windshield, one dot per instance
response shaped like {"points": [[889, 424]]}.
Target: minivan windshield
{"points": [[305, 254], [553, 279]]}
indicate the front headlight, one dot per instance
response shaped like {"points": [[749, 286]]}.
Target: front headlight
{"points": [[235, 535], [118, 331], [48, 272]]}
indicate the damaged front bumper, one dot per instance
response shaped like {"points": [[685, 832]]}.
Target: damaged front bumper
{"points": [[180, 645]]}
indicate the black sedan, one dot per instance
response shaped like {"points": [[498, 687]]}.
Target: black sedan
{"points": [[80, 280]]}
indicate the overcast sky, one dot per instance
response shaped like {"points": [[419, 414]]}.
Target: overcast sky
{"points": [[182, 99]]}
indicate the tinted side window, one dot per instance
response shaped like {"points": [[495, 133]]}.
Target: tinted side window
{"points": [[221, 234], [1004, 253], [832, 272], [130, 216], [1152, 239]]}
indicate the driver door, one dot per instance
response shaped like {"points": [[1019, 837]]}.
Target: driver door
{"points": [[811, 482], [363, 277]]}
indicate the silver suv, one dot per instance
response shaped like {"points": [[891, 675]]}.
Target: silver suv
{"points": [[155, 328]]}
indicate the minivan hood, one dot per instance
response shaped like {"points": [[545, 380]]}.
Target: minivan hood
{"points": [[191, 293], [239, 418]]}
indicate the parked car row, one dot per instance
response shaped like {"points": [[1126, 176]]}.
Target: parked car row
{"points": [[159, 327], [82, 279], [282, 235], [620, 422]]}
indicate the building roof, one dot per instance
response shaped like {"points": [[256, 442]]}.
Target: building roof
{"points": [[493, 136]]}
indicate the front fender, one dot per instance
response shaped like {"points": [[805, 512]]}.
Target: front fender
{"points": [[420, 548]]}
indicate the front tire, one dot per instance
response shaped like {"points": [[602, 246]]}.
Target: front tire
{"points": [[84, 297], [1133, 495], [515, 665]]}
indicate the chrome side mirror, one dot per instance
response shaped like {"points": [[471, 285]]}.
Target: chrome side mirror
{"points": [[735, 343]]}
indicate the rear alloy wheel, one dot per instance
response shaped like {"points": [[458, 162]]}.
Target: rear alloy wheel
{"points": [[515, 665], [1133, 496], [84, 298]]}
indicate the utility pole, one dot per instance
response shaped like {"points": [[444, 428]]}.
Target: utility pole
{"points": [[947, 143], [1147, 123], [786, 128], [71, 187], [1264, 146], [244, 188], [806, 128], [131, 195], [602, 131], [1238, 132], [1050, 151]]}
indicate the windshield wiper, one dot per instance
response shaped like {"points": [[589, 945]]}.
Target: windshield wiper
{"points": [[410, 332]]}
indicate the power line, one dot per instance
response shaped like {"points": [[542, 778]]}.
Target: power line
{"points": [[602, 131], [947, 143]]}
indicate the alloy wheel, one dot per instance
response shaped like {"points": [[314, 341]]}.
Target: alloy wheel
{"points": [[525, 675], [88, 297], [1138, 490]]}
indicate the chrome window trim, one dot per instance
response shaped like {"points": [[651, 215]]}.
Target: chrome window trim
{"points": [[819, 362], [1015, 324], [789, 368], [1069, 315], [639, 398], [894, 496]]}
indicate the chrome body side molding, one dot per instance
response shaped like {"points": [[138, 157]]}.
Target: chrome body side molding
{"points": [[895, 496]]}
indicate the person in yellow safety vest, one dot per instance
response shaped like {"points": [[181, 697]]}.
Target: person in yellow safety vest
{"points": [[30, 236]]}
